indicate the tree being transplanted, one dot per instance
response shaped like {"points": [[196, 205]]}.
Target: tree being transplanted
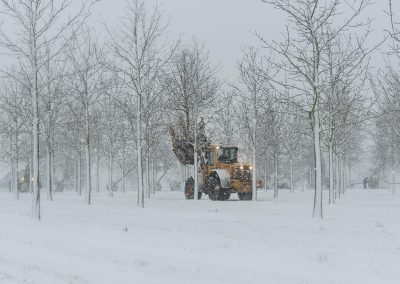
{"points": [[191, 86]]}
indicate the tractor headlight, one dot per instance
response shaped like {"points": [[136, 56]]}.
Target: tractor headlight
{"points": [[251, 168]]}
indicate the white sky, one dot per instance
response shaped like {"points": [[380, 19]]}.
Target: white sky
{"points": [[225, 25]]}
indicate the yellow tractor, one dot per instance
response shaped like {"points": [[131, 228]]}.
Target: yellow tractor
{"points": [[220, 173]]}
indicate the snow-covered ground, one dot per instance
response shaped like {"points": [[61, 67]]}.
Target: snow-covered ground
{"points": [[179, 241]]}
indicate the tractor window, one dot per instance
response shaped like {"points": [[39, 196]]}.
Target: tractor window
{"points": [[227, 155], [211, 158]]}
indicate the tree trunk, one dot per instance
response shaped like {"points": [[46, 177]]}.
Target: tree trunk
{"points": [[76, 175], [265, 173], [53, 171], [148, 172], [88, 176], [331, 194], [254, 174], [379, 177], [343, 175], [196, 171], [79, 173], [12, 177], [30, 173], [152, 177], [139, 153], [317, 210], [88, 159], [110, 172], [183, 177], [340, 176], [276, 175], [98, 167], [291, 176], [123, 175], [35, 127], [11, 182], [337, 178], [145, 173], [11, 187], [349, 177], [123, 158], [394, 180], [49, 177], [16, 179]]}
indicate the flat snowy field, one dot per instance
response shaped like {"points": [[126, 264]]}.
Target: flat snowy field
{"points": [[179, 241]]}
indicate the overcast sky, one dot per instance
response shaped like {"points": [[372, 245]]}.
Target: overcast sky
{"points": [[225, 25]]}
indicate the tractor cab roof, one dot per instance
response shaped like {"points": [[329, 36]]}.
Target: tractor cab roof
{"points": [[223, 146]]}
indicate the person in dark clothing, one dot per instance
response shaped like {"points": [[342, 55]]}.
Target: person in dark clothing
{"points": [[365, 183]]}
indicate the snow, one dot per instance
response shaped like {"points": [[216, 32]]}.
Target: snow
{"points": [[173, 240]]}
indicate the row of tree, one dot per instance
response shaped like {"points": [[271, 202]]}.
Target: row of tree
{"points": [[68, 95], [300, 101], [386, 86]]}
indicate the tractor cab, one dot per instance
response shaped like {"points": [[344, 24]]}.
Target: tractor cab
{"points": [[227, 155], [222, 155]]}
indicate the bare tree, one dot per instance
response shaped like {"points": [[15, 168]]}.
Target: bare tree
{"points": [[112, 124], [344, 102], [138, 45], [394, 30], [276, 141], [38, 25], [51, 106], [302, 52], [387, 89], [13, 104], [292, 128], [86, 68], [253, 70]]}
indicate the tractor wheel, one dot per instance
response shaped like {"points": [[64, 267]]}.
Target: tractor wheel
{"points": [[226, 194], [245, 195], [214, 188], [189, 189]]}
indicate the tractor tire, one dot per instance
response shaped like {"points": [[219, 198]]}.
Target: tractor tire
{"points": [[226, 194], [245, 195], [214, 188], [189, 189]]}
